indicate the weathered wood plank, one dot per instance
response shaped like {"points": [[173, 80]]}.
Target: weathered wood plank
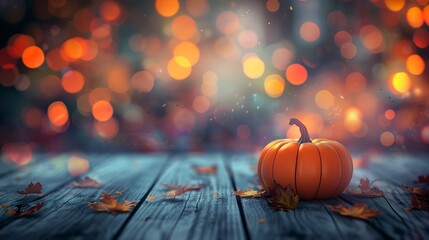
{"points": [[7, 166], [395, 221], [311, 220], [66, 213], [193, 215]]}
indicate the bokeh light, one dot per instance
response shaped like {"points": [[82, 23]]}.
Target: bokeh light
{"points": [[415, 64], [72, 81], [296, 74], [401, 82], [253, 67], [58, 114], [33, 57], [274, 85], [77, 165], [324, 99], [102, 110], [167, 8], [309, 31]]}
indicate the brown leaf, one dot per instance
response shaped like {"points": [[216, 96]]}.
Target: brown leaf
{"points": [[422, 179], [365, 189], [29, 211], [85, 182], [360, 211], [5, 206], [109, 203], [205, 169], [32, 188], [261, 220], [177, 190], [249, 193], [419, 197], [151, 197], [283, 199]]}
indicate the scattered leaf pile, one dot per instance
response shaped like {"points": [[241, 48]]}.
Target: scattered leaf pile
{"points": [[205, 169], [283, 199], [250, 193], [366, 189], [419, 195], [31, 188], [177, 190], [360, 211], [85, 182], [109, 203]]}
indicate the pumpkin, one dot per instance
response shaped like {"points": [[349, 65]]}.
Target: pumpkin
{"points": [[317, 169]]}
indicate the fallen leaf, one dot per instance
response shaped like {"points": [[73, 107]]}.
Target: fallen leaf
{"points": [[5, 206], [365, 189], [85, 182], [422, 179], [109, 203], [151, 197], [419, 197], [32, 188], [249, 193], [118, 192], [360, 211], [177, 190], [29, 211], [283, 199], [261, 220], [205, 169], [11, 212]]}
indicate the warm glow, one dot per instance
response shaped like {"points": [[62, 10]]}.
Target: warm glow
{"points": [[415, 64], [324, 99], [143, 81], [248, 39], [372, 38], [183, 27], [102, 111], [348, 50], [58, 114], [118, 78], [274, 85], [309, 31], [272, 5], [201, 104], [401, 82], [72, 81], [55, 61], [387, 139], [167, 8], [179, 68], [108, 129], [353, 120], [426, 14], [227, 22], [187, 50], [197, 8], [73, 48], [253, 67], [425, 134], [296, 74], [355, 82], [18, 43], [77, 166], [281, 58], [415, 17], [110, 11], [342, 37], [209, 84], [33, 57], [394, 5], [389, 114]]}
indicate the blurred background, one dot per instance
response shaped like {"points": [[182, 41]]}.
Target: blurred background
{"points": [[203, 75]]}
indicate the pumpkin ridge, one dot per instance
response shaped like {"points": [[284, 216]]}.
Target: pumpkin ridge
{"points": [[261, 159], [275, 147], [321, 171], [296, 167], [274, 161], [341, 164]]}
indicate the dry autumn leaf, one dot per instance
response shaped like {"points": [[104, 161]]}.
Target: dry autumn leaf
{"points": [[419, 198], [360, 211], [365, 189], [109, 203], [151, 197], [32, 188], [283, 199], [177, 190], [249, 193], [205, 169], [85, 182], [422, 179], [29, 211]]}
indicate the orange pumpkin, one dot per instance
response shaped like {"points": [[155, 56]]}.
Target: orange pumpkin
{"points": [[317, 169]]}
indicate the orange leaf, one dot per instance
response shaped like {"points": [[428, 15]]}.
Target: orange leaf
{"points": [[205, 169], [261, 220], [283, 199], [5, 206], [32, 188], [177, 190], [360, 211], [29, 211], [118, 192], [422, 179], [11, 212], [365, 189], [249, 193], [151, 197], [109, 203], [85, 182], [419, 198]]}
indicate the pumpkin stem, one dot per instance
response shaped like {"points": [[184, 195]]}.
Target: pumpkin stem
{"points": [[304, 133]]}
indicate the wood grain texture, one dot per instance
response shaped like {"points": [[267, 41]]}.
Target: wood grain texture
{"points": [[66, 214], [395, 222], [193, 215], [310, 220], [7, 166]]}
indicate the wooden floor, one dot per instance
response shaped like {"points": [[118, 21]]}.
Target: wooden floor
{"points": [[199, 214]]}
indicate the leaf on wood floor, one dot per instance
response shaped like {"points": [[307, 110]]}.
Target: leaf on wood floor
{"points": [[249, 193], [419, 197], [109, 203], [29, 211], [32, 188], [283, 199], [205, 169], [5, 206], [85, 182], [360, 211], [177, 190], [151, 197], [365, 189], [422, 179]]}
